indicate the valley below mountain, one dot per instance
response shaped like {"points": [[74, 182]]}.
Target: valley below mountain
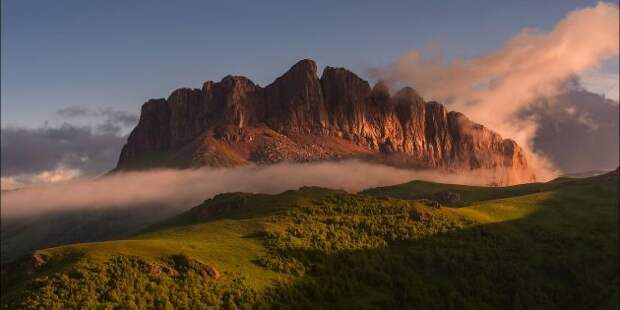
{"points": [[415, 245]]}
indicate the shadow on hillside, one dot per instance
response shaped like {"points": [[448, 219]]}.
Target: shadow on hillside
{"points": [[21, 236], [242, 206], [563, 257]]}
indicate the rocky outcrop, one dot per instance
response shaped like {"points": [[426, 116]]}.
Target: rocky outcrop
{"points": [[295, 101], [300, 117]]}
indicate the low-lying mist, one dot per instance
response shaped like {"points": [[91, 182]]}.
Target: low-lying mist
{"points": [[185, 188]]}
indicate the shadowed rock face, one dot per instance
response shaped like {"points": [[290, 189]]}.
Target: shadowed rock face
{"points": [[300, 117]]}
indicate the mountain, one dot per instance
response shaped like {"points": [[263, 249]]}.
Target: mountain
{"points": [[300, 117], [518, 247]]}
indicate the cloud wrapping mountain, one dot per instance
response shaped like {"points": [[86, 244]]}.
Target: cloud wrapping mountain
{"points": [[186, 188], [493, 88]]}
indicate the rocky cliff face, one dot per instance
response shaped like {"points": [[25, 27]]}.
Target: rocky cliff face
{"points": [[300, 117]]}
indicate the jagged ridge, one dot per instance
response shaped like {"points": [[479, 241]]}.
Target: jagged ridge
{"points": [[300, 117]]}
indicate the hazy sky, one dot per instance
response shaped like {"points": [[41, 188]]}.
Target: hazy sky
{"points": [[117, 54]]}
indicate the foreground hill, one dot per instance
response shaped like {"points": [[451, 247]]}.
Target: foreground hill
{"points": [[301, 117], [23, 235], [548, 246]]}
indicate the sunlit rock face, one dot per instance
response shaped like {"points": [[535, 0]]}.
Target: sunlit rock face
{"points": [[301, 117]]}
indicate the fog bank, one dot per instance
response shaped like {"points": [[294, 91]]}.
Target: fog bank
{"points": [[186, 188]]}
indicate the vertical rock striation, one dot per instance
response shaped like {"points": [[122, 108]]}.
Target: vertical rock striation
{"points": [[300, 117]]}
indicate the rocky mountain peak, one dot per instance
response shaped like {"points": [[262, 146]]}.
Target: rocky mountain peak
{"points": [[304, 67], [381, 91], [409, 94], [301, 117]]}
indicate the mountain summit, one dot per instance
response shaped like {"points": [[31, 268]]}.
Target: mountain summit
{"points": [[300, 117]]}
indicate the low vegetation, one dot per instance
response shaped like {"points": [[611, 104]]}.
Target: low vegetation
{"points": [[544, 246]]}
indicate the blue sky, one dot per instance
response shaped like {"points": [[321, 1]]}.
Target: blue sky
{"points": [[119, 53]]}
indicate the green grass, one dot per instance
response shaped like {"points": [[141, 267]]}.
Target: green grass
{"points": [[543, 245], [21, 236]]}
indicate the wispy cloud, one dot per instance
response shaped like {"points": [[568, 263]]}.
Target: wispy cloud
{"points": [[494, 88], [110, 120], [606, 84]]}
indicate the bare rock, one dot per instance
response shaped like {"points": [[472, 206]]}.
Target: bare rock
{"points": [[300, 117]]}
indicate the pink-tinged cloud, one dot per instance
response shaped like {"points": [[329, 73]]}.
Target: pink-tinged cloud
{"points": [[493, 88]]}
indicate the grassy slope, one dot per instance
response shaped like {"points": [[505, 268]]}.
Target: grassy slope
{"points": [[21, 236], [549, 245]]}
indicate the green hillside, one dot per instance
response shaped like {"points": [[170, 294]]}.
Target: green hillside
{"points": [[534, 246], [22, 235]]}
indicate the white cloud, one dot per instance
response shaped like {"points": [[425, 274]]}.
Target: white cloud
{"points": [[9, 183], [56, 175], [59, 174], [606, 84]]}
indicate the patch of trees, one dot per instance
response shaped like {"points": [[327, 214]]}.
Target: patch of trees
{"points": [[349, 251]]}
